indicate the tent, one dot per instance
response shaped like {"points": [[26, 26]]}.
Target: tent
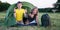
{"points": [[9, 19]]}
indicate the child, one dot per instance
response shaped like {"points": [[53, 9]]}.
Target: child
{"points": [[33, 17], [18, 13]]}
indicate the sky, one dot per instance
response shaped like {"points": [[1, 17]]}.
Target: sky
{"points": [[37, 3]]}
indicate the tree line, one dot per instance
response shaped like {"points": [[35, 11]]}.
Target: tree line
{"points": [[4, 6]]}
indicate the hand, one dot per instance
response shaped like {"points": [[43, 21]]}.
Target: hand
{"points": [[32, 16], [37, 24]]}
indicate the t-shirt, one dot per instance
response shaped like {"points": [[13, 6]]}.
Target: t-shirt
{"points": [[32, 19], [19, 14]]}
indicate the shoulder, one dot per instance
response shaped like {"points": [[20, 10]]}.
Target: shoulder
{"points": [[15, 10], [36, 16], [22, 9], [30, 14]]}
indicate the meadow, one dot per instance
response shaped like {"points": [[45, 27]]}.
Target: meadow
{"points": [[54, 18]]}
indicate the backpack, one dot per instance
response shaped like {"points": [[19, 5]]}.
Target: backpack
{"points": [[45, 20]]}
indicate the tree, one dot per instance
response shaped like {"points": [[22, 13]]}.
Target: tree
{"points": [[4, 6], [0, 2]]}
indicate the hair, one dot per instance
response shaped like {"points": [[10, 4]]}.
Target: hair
{"points": [[18, 2], [33, 10]]}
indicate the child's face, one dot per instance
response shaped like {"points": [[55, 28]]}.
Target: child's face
{"points": [[19, 5], [35, 11]]}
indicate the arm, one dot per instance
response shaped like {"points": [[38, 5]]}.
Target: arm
{"points": [[37, 20], [31, 15], [14, 13], [25, 13]]}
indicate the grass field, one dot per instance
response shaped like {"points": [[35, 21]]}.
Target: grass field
{"points": [[55, 23]]}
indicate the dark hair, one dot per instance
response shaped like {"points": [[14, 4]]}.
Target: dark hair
{"points": [[33, 10], [18, 2]]}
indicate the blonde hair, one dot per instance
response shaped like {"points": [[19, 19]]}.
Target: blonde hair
{"points": [[33, 10]]}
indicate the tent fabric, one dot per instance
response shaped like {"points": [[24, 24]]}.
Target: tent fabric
{"points": [[9, 19]]}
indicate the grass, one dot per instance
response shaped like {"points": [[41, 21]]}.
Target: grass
{"points": [[55, 23]]}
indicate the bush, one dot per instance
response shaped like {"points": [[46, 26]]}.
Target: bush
{"points": [[4, 6], [45, 10]]}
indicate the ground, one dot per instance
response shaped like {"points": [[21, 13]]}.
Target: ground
{"points": [[54, 17]]}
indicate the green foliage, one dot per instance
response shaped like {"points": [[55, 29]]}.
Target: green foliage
{"points": [[4, 6], [57, 5], [58, 1], [45, 10]]}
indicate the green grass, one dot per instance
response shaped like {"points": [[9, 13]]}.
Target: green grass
{"points": [[2, 14], [55, 23]]}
